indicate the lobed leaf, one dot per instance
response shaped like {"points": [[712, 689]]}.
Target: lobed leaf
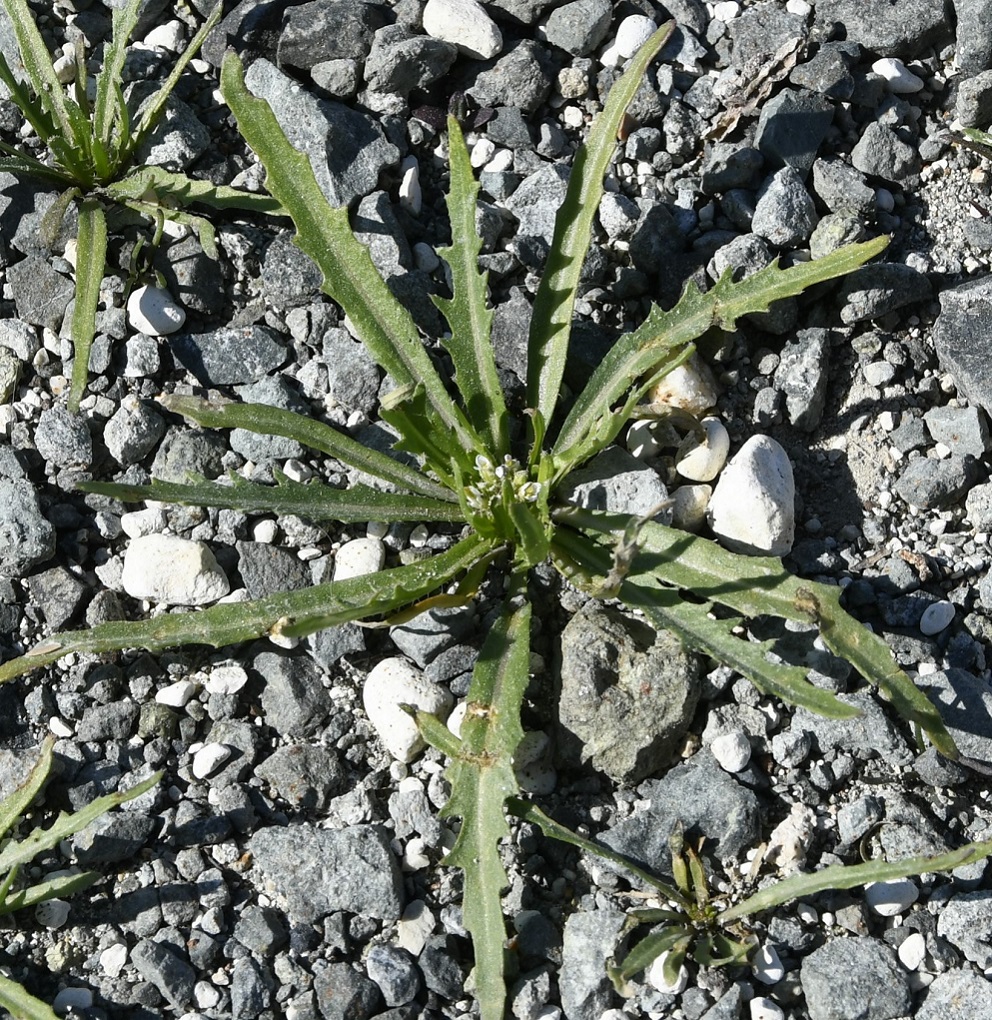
{"points": [[21, 1004], [638, 359], [13, 806], [109, 98], [349, 277], [91, 260], [467, 312], [49, 888], [551, 320], [291, 613], [178, 189]]}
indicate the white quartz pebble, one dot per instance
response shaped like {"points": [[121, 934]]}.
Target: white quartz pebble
{"points": [[391, 684], [899, 79], [702, 461], [762, 1008], [209, 758], [226, 680], [690, 387], [465, 24], [138, 523], [913, 950], [113, 958], [689, 503], [52, 913], [411, 195], [726, 10], [415, 927], [655, 977], [457, 717], [176, 695], [166, 568], [767, 966], [936, 617], [482, 152], [753, 505], [153, 311], [891, 897], [358, 557], [732, 751], [633, 33]]}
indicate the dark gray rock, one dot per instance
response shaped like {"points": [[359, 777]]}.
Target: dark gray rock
{"points": [[729, 1006], [841, 187], [160, 964], [294, 700], [26, 536], [525, 11], [729, 165], [427, 635], [347, 149], [912, 434], [957, 995], [62, 438], [580, 26], [828, 71], [340, 78], [251, 993], [873, 291], [272, 391], [289, 277], [615, 480], [317, 871], [401, 61], [627, 694], [378, 228], [439, 967], [973, 49], [40, 293], [537, 201], [802, 376], [869, 735], [961, 335], [342, 991], [964, 430], [260, 929], [521, 77], [230, 355], [791, 128], [178, 139], [855, 977], [328, 30], [185, 452], [966, 921], [702, 797], [785, 215], [973, 105], [352, 376], [327, 646], [590, 941], [394, 971], [935, 484], [760, 31], [115, 721], [191, 276], [132, 432], [881, 152], [267, 569], [834, 231], [112, 837], [306, 776], [965, 705], [902, 29], [58, 594]]}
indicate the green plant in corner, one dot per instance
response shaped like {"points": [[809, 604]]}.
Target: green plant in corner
{"points": [[15, 852], [505, 494], [93, 146]]}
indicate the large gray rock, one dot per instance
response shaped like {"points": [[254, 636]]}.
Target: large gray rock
{"points": [[961, 335], [856, 977], [590, 940], [614, 480], [966, 921], [973, 52], [627, 693], [902, 29], [347, 150], [26, 536], [957, 995]]}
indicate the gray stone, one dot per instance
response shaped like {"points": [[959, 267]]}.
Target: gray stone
{"points": [[347, 149], [185, 452], [340, 78], [961, 335], [26, 536], [869, 735], [729, 1006], [979, 506], [294, 700], [115, 721], [250, 991], [834, 231], [401, 61], [881, 152], [19, 337], [841, 187], [394, 971], [62, 438], [58, 594], [112, 837], [425, 636], [873, 291], [271, 391], [957, 995], [902, 30], [855, 977], [729, 165], [590, 941], [40, 293], [132, 432], [317, 871], [328, 30], [935, 484], [614, 480], [802, 376], [966, 921], [579, 27], [260, 929], [785, 214], [342, 992], [327, 646], [10, 372], [521, 77], [537, 201], [627, 694], [791, 128], [974, 101], [964, 430], [965, 705], [378, 228], [305, 776], [289, 277], [973, 49], [701, 797], [230, 355], [160, 964], [352, 376], [178, 139], [828, 71]]}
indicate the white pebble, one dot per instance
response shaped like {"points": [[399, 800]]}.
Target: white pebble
{"points": [[465, 24], [655, 977], [690, 387], [703, 461], [226, 680], [502, 160], [359, 557], [767, 966], [176, 695], [414, 856], [52, 913], [113, 958], [138, 523], [153, 311], [169, 37], [936, 617], [765, 1009], [913, 950], [457, 717], [537, 779], [392, 683], [689, 503], [72, 1000], [482, 152], [732, 751], [415, 927], [807, 913], [633, 33], [59, 727], [727, 10], [265, 531], [166, 568], [753, 505], [899, 79], [892, 896], [411, 196], [209, 758]]}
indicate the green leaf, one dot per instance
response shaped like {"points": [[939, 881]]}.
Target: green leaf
{"points": [[27, 166], [49, 888], [467, 311], [273, 421], [178, 189], [91, 255], [638, 359], [406, 410], [551, 321], [21, 1004], [313, 500], [13, 806], [108, 79], [349, 277], [847, 876], [650, 948], [292, 613], [482, 778]]}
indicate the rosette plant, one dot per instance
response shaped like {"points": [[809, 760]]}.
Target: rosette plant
{"points": [[505, 494]]}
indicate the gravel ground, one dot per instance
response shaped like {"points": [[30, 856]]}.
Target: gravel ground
{"points": [[287, 864]]}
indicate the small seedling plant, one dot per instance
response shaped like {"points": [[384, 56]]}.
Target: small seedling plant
{"points": [[93, 145], [17, 851], [505, 495]]}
